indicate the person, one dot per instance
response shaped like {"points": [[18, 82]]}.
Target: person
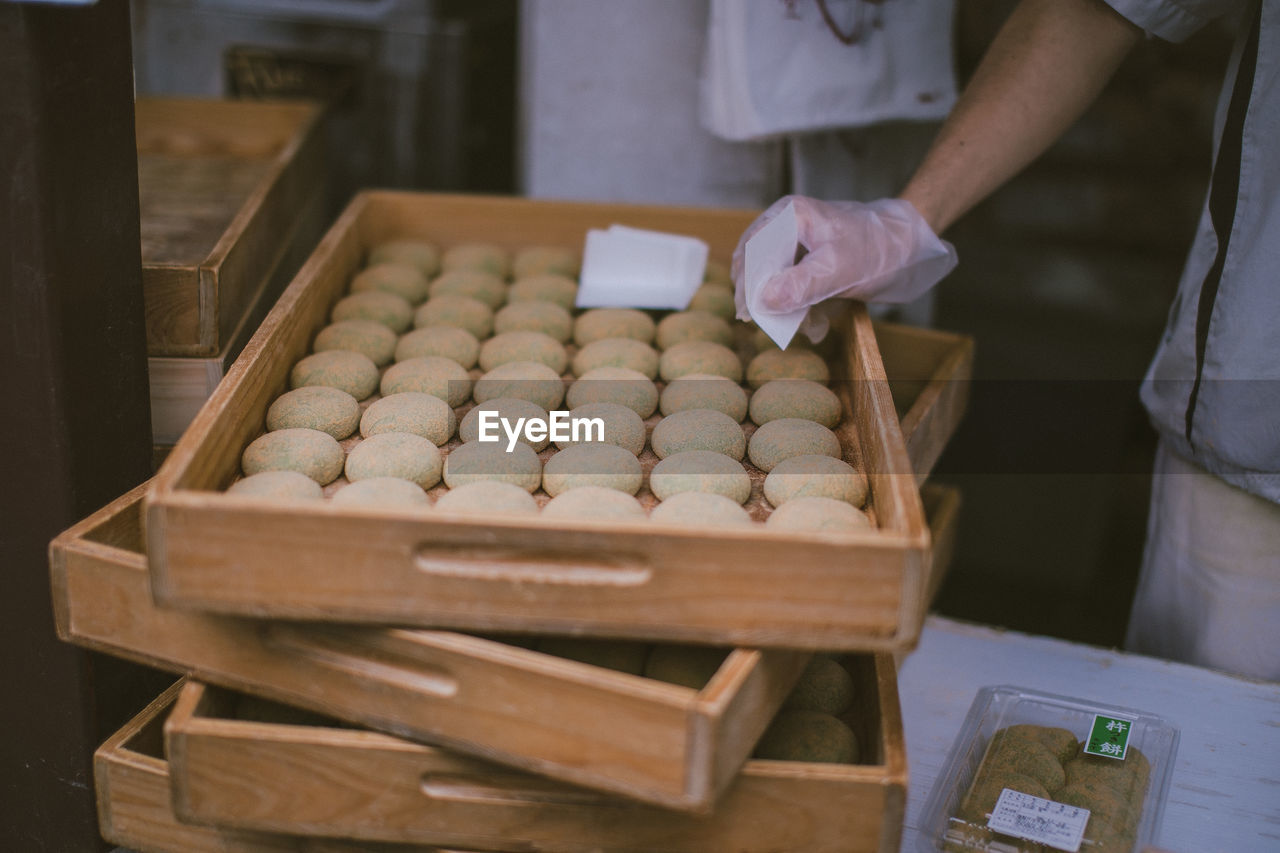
{"points": [[1209, 585], [856, 88]]}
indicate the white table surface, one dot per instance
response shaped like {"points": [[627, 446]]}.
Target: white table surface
{"points": [[1225, 795]]}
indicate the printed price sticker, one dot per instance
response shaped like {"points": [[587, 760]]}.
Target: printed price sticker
{"points": [[1108, 737], [1056, 825]]}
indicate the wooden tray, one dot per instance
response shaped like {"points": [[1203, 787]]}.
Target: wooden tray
{"points": [[226, 553], [929, 373], [327, 781], [223, 187], [132, 780], [557, 717], [180, 386], [131, 776]]}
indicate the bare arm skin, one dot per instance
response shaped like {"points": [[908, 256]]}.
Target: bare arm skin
{"points": [[1047, 64]]}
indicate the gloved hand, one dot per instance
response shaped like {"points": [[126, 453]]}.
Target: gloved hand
{"points": [[882, 251]]}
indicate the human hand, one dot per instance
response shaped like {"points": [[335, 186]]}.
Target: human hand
{"points": [[882, 251]]}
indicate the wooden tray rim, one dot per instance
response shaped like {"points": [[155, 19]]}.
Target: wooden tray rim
{"points": [[186, 718], [171, 484], [306, 115]]}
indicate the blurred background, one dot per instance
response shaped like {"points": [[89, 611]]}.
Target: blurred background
{"points": [[1066, 274]]}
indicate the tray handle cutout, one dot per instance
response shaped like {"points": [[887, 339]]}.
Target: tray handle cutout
{"points": [[342, 651], [533, 566], [506, 790]]}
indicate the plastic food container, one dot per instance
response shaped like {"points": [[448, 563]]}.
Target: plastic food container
{"points": [[1031, 772]]}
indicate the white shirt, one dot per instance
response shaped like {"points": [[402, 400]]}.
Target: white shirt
{"points": [[1213, 388]]}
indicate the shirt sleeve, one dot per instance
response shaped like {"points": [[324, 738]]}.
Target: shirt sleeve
{"points": [[1173, 20]]}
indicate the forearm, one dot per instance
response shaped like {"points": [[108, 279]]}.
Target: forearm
{"points": [[1048, 63]]}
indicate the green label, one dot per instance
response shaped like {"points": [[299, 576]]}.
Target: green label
{"points": [[1109, 737]]}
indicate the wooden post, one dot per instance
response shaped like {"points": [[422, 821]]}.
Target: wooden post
{"points": [[74, 421]]}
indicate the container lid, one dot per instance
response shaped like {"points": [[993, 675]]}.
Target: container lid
{"points": [[1032, 771]]}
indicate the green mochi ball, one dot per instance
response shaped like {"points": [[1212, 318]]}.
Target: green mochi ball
{"points": [[413, 412], [595, 502], [527, 380], [404, 280], [279, 486], [700, 510], [395, 454], [604, 465], [535, 316], [381, 491], [390, 310], [615, 385], [307, 451], [320, 407], [476, 284], [600, 323], [682, 326], [486, 257], [817, 476], [484, 460], [810, 737], [699, 357], [432, 374], [824, 686], [455, 310], [700, 471], [416, 253], [451, 342], [523, 346], [342, 369], [544, 260], [786, 364], [818, 515], [488, 497], [704, 391], [617, 352], [795, 398], [788, 437], [544, 287], [698, 429], [373, 340]]}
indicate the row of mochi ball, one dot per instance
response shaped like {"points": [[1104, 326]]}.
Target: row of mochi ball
{"points": [[700, 441]]}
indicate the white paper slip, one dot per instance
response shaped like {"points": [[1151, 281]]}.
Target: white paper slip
{"points": [[1055, 825], [769, 251], [627, 267]]}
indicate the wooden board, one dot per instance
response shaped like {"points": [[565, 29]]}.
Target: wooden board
{"points": [[229, 554], [221, 186], [132, 782], [356, 784], [536, 711]]}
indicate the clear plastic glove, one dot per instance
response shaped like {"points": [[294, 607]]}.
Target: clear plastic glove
{"points": [[881, 251]]}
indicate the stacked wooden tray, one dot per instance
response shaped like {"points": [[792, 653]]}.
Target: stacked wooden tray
{"points": [[203, 781], [102, 603], [260, 598], [530, 709], [232, 199]]}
